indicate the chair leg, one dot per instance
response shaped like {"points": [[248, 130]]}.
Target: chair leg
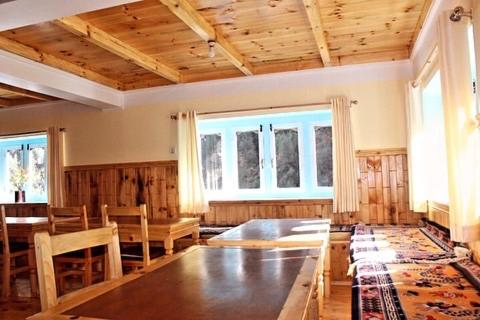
{"points": [[6, 276]]}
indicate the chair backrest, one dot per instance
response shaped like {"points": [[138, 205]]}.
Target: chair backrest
{"points": [[132, 226], [47, 246], [67, 218], [4, 233]]}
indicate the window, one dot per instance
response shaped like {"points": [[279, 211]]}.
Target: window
{"points": [[23, 163], [434, 130], [273, 156]]}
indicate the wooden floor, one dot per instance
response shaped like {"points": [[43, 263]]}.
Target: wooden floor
{"points": [[338, 306]]}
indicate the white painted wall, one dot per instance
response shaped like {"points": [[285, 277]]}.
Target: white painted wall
{"points": [[144, 131], [427, 39]]}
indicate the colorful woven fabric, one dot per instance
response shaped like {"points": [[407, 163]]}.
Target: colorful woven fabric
{"points": [[413, 291], [397, 245]]}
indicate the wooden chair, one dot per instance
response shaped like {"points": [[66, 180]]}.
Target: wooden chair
{"points": [[9, 256], [47, 247], [80, 264], [132, 228]]}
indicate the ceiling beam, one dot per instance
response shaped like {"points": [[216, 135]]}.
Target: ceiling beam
{"points": [[312, 7], [48, 59], [26, 93], [17, 102], [192, 18], [20, 13], [116, 46]]}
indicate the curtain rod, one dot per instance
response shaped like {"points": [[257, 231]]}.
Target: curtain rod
{"points": [[27, 133], [352, 102]]}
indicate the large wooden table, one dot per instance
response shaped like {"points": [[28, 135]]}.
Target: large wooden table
{"points": [[205, 283], [23, 229], [270, 233]]}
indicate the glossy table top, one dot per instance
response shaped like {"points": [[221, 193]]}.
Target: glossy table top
{"points": [[26, 220], [277, 231], [206, 283]]}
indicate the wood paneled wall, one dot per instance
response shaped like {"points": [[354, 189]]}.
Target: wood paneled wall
{"points": [[438, 213], [130, 184], [26, 209], [383, 188]]}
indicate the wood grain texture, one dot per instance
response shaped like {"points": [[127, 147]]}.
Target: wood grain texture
{"points": [[383, 188], [26, 209], [154, 184], [252, 37]]}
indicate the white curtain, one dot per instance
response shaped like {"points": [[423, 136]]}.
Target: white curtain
{"points": [[462, 134], [192, 195], [415, 146], [55, 167], [345, 184]]}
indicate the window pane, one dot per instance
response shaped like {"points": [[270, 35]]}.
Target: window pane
{"points": [[211, 145], [286, 156], [15, 169], [37, 171], [248, 159], [323, 152], [434, 133]]}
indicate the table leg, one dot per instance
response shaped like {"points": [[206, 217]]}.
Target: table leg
{"points": [[196, 235], [168, 245], [32, 267], [326, 272]]}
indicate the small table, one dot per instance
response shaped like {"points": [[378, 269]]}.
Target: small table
{"points": [[168, 230], [205, 283], [270, 233], [162, 230], [23, 229]]}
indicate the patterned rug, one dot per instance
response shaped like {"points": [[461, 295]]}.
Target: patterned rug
{"points": [[415, 291], [397, 245]]}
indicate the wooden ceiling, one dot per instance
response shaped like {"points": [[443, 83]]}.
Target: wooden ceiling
{"points": [[158, 42], [12, 96]]}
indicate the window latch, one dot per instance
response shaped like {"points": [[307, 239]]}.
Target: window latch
{"points": [[271, 127], [261, 128]]}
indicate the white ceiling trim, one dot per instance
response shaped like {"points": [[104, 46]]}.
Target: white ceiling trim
{"points": [[20, 13], [24, 73], [332, 76]]}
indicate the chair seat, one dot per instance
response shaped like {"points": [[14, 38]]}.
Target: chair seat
{"points": [[136, 253]]}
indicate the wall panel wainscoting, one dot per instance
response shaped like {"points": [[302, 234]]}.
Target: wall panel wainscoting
{"points": [[26, 209], [383, 187], [129, 184]]}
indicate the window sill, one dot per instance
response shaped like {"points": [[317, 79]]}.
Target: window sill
{"points": [[273, 202]]}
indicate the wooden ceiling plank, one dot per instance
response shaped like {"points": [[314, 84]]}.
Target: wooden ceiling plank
{"points": [[106, 41], [25, 93], [312, 8], [48, 59], [192, 18], [5, 102]]}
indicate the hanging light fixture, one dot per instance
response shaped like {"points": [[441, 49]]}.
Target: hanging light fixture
{"points": [[211, 49]]}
